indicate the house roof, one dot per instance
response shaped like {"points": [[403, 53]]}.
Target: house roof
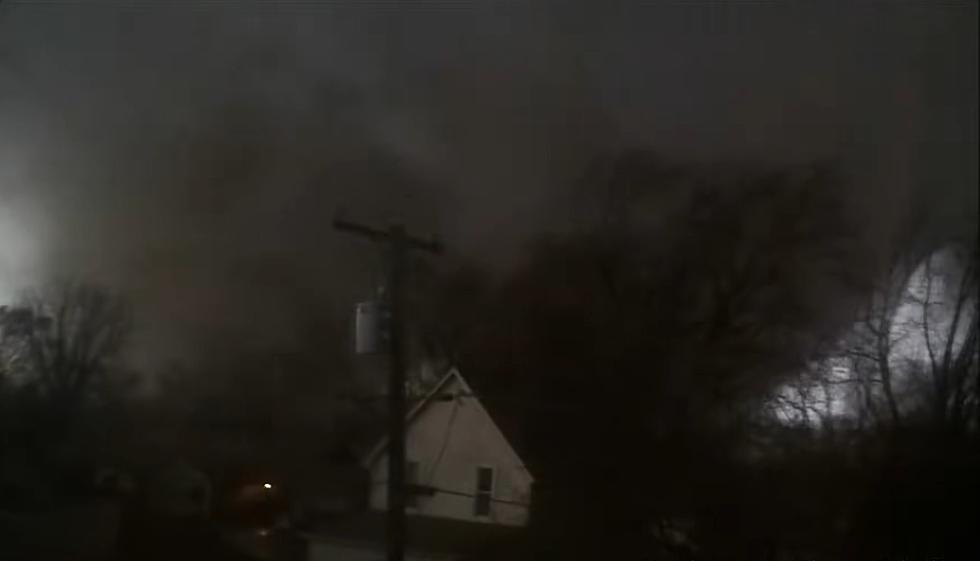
{"points": [[451, 375]]}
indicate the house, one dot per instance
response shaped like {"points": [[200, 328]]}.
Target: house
{"points": [[470, 489], [458, 460]]}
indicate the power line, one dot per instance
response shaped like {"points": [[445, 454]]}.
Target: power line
{"points": [[445, 440], [398, 244], [431, 490]]}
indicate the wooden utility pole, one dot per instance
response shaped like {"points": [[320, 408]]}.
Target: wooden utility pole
{"points": [[398, 242]]}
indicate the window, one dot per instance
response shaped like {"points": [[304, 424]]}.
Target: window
{"points": [[411, 484], [484, 491]]}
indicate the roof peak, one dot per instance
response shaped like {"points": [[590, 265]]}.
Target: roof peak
{"points": [[452, 373]]}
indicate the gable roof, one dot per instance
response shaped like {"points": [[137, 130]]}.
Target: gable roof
{"points": [[451, 375]]}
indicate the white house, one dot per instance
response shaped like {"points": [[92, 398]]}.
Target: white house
{"points": [[474, 494], [458, 457]]}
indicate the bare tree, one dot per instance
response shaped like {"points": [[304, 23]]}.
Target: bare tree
{"points": [[810, 399], [870, 345], [915, 346], [76, 332], [14, 324], [946, 321], [652, 333]]}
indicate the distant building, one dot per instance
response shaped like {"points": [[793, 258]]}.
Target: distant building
{"points": [[468, 486], [461, 464]]}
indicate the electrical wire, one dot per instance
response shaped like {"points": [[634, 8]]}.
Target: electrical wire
{"points": [[462, 494], [445, 439]]}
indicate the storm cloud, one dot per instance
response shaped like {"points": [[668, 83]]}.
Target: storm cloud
{"points": [[194, 154]]}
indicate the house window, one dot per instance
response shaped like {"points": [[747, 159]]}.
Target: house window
{"points": [[411, 484], [484, 491]]}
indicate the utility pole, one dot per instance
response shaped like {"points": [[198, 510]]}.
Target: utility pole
{"points": [[398, 243]]}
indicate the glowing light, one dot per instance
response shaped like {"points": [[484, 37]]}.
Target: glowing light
{"points": [[19, 244], [267, 485]]}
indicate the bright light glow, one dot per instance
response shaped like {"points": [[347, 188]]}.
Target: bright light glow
{"points": [[19, 248], [267, 485]]}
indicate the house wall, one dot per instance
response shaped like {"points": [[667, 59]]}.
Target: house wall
{"points": [[450, 439]]}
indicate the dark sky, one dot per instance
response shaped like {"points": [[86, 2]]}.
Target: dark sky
{"points": [[193, 154]]}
